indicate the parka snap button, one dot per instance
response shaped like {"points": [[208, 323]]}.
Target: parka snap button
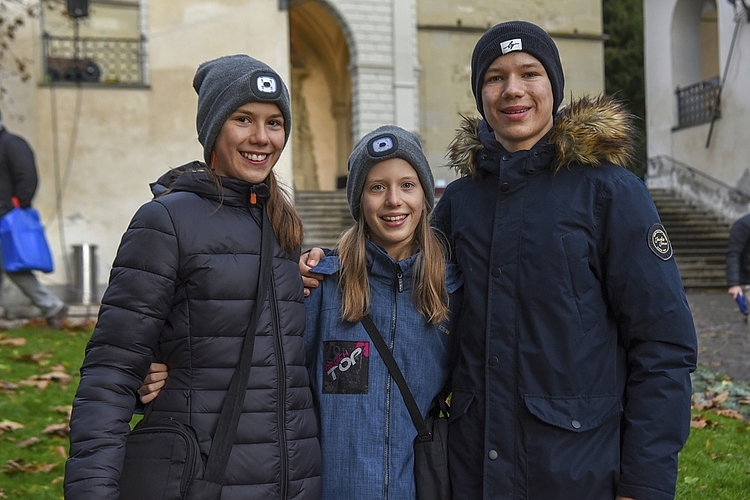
{"points": [[504, 187], [507, 157], [493, 361], [492, 455], [496, 272], [575, 424]]}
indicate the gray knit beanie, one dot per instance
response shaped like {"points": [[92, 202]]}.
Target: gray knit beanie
{"points": [[384, 143], [517, 36], [225, 84]]}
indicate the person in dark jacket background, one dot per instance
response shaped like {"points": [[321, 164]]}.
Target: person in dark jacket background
{"points": [[181, 292], [576, 341], [738, 257], [18, 179]]}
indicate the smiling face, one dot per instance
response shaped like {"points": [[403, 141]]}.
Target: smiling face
{"points": [[392, 205], [250, 142], [517, 100]]}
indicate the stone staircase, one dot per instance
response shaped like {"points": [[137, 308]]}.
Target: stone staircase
{"points": [[699, 237], [325, 215]]}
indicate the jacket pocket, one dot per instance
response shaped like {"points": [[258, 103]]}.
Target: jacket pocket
{"points": [[584, 286], [572, 444]]}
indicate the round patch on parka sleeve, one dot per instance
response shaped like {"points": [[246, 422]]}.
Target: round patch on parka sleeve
{"points": [[659, 243]]}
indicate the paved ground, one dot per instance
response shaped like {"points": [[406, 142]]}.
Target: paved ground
{"points": [[723, 336]]}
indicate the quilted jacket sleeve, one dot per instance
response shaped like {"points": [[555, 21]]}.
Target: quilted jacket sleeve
{"points": [[656, 329], [134, 308]]}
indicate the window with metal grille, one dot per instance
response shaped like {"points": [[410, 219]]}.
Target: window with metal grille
{"points": [[105, 47], [697, 103]]}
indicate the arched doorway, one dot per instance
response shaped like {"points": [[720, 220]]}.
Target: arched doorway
{"points": [[321, 97]]}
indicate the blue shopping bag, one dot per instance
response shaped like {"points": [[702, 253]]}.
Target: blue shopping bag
{"points": [[24, 244]]}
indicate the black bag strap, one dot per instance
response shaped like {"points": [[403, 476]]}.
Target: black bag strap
{"points": [[423, 433], [221, 445]]}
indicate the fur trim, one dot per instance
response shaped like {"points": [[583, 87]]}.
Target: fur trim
{"points": [[465, 145], [588, 131]]}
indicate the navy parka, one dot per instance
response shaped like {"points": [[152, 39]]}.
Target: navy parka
{"points": [[575, 337]]}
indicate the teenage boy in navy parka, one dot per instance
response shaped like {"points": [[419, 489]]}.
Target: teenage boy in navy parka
{"points": [[576, 340]]}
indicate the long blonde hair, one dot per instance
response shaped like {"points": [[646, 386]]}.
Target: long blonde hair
{"points": [[430, 295]]}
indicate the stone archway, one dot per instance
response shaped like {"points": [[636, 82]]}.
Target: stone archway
{"points": [[321, 97]]}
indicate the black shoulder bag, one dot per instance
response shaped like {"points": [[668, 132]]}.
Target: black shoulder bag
{"points": [[163, 459], [431, 444]]}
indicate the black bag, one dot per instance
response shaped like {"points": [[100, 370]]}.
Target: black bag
{"points": [[163, 460], [431, 454], [431, 475]]}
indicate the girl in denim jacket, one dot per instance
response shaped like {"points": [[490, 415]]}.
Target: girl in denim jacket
{"points": [[391, 265]]}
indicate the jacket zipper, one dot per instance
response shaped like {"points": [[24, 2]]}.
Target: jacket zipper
{"points": [[398, 289], [281, 388]]}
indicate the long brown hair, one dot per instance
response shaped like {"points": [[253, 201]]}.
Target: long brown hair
{"points": [[430, 295]]}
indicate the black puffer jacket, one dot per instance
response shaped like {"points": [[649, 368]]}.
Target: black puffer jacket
{"points": [[181, 291], [18, 176]]}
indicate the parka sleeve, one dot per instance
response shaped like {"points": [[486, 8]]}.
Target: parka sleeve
{"points": [[656, 329], [739, 238], [134, 308]]}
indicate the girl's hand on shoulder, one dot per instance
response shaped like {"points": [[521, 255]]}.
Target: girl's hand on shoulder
{"points": [[307, 261]]}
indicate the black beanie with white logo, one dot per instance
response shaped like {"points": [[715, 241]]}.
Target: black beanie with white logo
{"points": [[225, 84], [512, 36]]}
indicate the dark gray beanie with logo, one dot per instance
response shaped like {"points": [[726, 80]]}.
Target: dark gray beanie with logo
{"points": [[384, 143], [225, 84], [505, 38]]}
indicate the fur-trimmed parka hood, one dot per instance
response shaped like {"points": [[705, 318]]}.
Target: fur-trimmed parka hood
{"points": [[589, 131]]}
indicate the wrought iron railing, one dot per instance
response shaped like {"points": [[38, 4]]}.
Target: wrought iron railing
{"points": [[698, 103], [94, 60], [691, 183]]}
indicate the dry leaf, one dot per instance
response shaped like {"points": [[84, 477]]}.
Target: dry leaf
{"points": [[14, 342], [9, 426], [28, 442], [698, 422], [721, 398], [57, 429], [731, 414], [60, 451], [21, 466]]}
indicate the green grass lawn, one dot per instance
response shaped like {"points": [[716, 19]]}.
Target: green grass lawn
{"points": [[39, 376]]}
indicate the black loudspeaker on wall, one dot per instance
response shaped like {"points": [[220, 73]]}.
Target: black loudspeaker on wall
{"points": [[78, 8]]}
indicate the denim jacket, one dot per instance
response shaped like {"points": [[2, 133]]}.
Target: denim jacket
{"points": [[366, 432]]}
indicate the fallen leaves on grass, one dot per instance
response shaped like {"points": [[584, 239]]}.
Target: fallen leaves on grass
{"points": [[62, 430], [9, 426], [28, 442], [21, 466], [12, 342], [42, 381]]}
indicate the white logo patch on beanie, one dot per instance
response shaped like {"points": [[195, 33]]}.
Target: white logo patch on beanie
{"points": [[511, 45], [266, 84]]}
